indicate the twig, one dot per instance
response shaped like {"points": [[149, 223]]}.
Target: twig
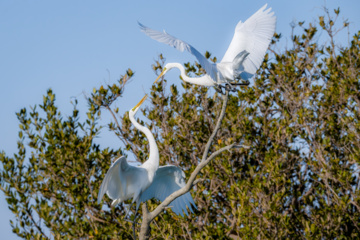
{"points": [[198, 180], [113, 115], [28, 213], [95, 218]]}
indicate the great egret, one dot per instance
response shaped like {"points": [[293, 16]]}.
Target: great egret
{"points": [[123, 181], [241, 60]]}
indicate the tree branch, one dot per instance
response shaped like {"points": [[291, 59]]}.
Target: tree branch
{"points": [[149, 216], [145, 225], [217, 127], [113, 115], [191, 181]]}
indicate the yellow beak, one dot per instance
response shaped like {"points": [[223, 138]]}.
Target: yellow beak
{"points": [[141, 101], [161, 74]]}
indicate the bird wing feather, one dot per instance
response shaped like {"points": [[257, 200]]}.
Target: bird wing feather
{"points": [[167, 180], [113, 184], [180, 45], [253, 36]]}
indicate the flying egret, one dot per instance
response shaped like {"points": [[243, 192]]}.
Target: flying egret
{"points": [[241, 60], [123, 181]]}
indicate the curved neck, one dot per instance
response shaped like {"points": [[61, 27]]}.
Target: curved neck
{"points": [[153, 161], [203, 80]]}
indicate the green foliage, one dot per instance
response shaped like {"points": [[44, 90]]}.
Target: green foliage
{"points": [[298, 180], [52, 191]]}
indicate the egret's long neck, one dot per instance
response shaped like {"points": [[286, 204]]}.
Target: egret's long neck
{"points": [[203, 80], [153, 161]]}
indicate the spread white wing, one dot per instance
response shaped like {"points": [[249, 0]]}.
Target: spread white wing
{"points": [[253, 36], [167, 180], [180, 45], [113, 184]]}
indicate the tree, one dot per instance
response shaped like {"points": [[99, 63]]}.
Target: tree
{"points": [[299, 179]]}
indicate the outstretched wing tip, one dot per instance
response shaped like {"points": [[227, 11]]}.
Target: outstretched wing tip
{"points": [[142, 26]]}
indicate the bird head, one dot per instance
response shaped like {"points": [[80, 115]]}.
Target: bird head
{"points": [[166, 68], [136, 108]]}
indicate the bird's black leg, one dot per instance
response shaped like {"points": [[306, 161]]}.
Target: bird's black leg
{"points": [[218, 88], [127, 211], [229, 87], [244, 83], [134, 222]]}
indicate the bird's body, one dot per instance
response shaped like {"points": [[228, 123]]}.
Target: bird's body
{"points": [[123, 182], [241, 60], [141, 183]]}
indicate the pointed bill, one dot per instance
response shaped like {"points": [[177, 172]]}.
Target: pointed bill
{"points": [[161, 74], [141, 101]]}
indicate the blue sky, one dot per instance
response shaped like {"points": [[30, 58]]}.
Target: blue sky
{"points": [[74, 46]]}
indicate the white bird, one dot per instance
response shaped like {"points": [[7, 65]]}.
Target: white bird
{"points": [[124, 181], [241, 60]]}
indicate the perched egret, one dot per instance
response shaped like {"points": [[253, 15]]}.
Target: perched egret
{"points": [[241, 60], [123, 181]]}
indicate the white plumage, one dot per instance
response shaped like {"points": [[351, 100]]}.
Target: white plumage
{"points": [[124, 181], [169, 179], [241, 60]]}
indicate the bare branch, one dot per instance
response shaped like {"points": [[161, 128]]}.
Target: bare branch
{"points": [[217, 127], [145, 225], [198, 181], [95, 218], [113, 115]]}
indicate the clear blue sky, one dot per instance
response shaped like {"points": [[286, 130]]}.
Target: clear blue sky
{"points": [[74, 46]]}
